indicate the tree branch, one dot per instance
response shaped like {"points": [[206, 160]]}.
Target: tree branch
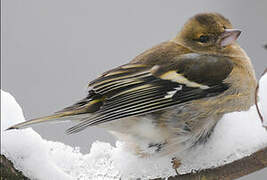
{"points": [[8, 171], [236, 169], [256, 99]]}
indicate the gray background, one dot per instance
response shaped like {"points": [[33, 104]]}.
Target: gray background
{"points": [[52, 48]]}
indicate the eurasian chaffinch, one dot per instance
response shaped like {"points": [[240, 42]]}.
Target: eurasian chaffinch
{"points": [[169, 98]]}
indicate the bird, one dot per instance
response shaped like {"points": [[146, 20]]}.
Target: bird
{"points": [[168, 99]]}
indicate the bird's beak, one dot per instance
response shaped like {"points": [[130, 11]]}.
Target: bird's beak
{"points": [[229, 36]]}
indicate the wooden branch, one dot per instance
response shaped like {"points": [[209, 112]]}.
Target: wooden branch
{"points": [[256, 96], [256, 99], [8, 172], [236, 169]]}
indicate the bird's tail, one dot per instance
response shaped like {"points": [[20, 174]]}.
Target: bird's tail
{"points": [[57, 117], [76, 112]]}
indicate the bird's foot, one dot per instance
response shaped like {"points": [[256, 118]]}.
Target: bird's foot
{"points": [[175, 164]]}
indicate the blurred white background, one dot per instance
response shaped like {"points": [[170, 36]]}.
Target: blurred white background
{"points": [[52, 48]]}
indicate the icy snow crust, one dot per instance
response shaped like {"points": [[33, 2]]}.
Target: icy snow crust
{"points": [[237, 135]]}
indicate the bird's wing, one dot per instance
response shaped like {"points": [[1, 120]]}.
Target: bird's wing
{"points": [[134, 89]]}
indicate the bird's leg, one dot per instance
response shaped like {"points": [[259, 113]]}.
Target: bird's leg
{"points": [[175, 164]]}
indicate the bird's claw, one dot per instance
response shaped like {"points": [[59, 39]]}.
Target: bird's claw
{"points": [[175, 164]]}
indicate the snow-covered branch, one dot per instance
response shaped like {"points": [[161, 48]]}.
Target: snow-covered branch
{"points": [[8, 171], [229, 153], [236, 169]]}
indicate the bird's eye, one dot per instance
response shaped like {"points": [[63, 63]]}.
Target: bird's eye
{"points": [[204, 39]]}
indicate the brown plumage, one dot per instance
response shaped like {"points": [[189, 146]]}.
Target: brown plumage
{"points": [[170, 97]]}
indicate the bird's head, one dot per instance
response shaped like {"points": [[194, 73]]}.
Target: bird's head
{"points": [[208, 33]]}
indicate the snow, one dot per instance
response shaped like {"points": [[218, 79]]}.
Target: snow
{"points": [[237, 135], [25, 148]]}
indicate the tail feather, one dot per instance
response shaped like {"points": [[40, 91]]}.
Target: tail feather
{"points": [[57, 117], [77, 112], [54, 117]]}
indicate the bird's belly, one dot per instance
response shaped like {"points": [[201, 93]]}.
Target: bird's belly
{"points": [[143, 135], [163, 133]]}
